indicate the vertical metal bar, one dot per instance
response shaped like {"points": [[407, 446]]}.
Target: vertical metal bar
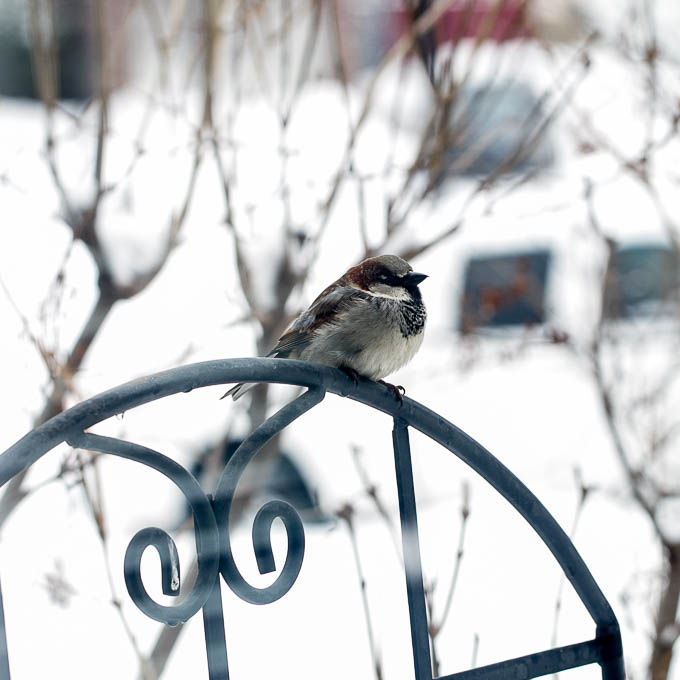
{"points": [[4, 658], [415, 590], [611, 651], [213, 627], [215, 641]]}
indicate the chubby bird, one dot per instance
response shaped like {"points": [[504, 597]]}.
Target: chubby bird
{"points": [[369, 323]]}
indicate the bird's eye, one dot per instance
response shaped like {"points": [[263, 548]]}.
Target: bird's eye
{"points": [[382, 277]]}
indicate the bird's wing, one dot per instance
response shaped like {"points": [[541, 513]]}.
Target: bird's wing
{"points": [[291, 341], [326, 309]]}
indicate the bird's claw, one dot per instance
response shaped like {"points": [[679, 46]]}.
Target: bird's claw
{"points": [[397, 390], [351, 373]]}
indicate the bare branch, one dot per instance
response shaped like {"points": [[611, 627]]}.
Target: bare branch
{"points": [[346, 513], [436, 626], [371, 492], [583, 495], [94, 502]]}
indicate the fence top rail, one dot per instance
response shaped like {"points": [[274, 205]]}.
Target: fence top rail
{"points": [[193, 376]]}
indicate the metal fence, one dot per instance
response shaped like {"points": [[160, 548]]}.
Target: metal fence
{"points": [[211, 513]]}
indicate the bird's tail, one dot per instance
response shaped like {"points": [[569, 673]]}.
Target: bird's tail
{"points": [[237, 391]]}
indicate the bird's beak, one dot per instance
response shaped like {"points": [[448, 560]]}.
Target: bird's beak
{"points": [[414, 278]]}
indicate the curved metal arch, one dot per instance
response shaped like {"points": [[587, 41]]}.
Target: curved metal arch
{"points": [[70, 427]]}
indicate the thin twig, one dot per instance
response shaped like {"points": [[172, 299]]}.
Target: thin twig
{"points": [[435, 627], [46, 356], [95, 504], [584, 492], [371, 492], [346, 513]]}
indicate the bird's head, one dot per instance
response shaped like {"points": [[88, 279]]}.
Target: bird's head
{"points": [[386, 276]]}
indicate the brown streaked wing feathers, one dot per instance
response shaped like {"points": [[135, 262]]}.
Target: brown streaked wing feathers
{"points": [[290, 341], [327, 306]]}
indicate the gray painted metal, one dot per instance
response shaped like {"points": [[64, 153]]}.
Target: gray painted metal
{"points": [[211, 515], [415, 591], [4, 659]]}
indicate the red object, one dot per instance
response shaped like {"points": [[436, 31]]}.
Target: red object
{"points": [[471, 19]]}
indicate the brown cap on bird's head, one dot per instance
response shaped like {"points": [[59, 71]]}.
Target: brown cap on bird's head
{"points": [[390, 269]]}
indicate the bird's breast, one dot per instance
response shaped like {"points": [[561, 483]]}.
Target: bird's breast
{"points": [[374, 337]]}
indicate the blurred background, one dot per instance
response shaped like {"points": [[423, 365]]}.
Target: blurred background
{"points": [[179, 179]]}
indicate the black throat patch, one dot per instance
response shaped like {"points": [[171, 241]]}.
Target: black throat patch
{"points": [[412, 317]]}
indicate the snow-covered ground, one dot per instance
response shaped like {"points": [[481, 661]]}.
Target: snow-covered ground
{"points": [[536, 410]]}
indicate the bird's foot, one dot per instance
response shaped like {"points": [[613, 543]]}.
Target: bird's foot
{"points": [[351, 373], [397, 390]]}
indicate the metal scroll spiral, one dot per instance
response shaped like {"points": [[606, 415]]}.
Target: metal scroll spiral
{"points": [[207, 537], [211, 524], [266, 515]]}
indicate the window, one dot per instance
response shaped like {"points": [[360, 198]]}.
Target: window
{"points": [[639, 280], [505, 290], [74, 51], [498, 126]]}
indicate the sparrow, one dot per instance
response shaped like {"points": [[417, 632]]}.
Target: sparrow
{"points": [[369, 323]]}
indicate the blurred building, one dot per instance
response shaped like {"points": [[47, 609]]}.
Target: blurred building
{"points": [[49, 48]]}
